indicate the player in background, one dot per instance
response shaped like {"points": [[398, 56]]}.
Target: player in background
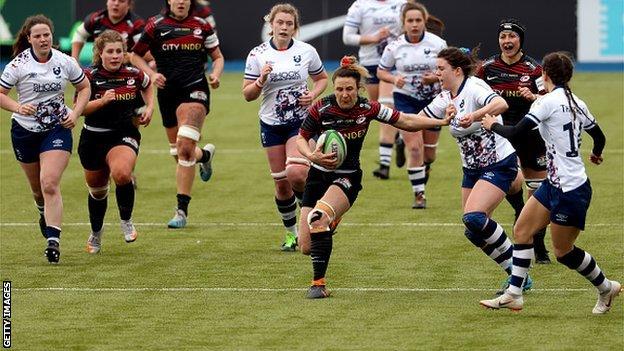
{"points": [[109, 141], [117, 16], [203, 10], [180, 44], [489, 161], [371, 25], [563, 200], [278, 69], [41, 121], [415, 84], [330, 191], [517, 78]]}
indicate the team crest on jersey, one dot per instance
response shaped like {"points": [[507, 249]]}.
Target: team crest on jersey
{"points": [[360, 120], [427, 51], [130, 81], [461, 104], [32, 75], [197, 32], [297, 58], [56, 70], [524, 78]]}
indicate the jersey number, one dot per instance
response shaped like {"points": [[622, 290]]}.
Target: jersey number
{"points": [[573, 147]]}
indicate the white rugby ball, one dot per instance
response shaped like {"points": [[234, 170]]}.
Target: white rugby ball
{"points": [[332, 141]]}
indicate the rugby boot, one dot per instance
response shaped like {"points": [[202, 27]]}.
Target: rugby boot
{"points": [[290, 243], [506, 300], [205, 168], [178, 221], [53, 251], [318, 290], [383, 172], [128, 230], [605, 301], [94, 243], [420, 202]]}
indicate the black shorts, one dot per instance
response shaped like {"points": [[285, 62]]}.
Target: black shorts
{"points": [[171, 97], [94, 146], [531, 150], [318, 182]]}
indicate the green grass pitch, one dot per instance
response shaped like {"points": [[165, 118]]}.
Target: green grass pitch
{"points": [[401, 279]]}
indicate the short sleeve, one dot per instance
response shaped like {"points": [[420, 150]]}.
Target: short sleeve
{"points": [[311, 124], [588, 121], [482, 93], [74, 71], [383, 113], [387, 59], [354, 16], [143, 44], [10, 76], [252, 66], [144, 79], [540, 111], [212, 41], [437, 108], [316, 65]]}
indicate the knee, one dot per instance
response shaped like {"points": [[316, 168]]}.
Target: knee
{"points": [[121, 175], [297, 176], [415, 150], [49, 186], [474, 239], [321, 217], [561, 251], [98, 192], [475, 221], [185, 149], [521, 233]]}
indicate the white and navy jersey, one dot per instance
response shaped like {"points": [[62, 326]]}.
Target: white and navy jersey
{"points": [[479, 147], [42, 85], [369, 16], [286, 82], [562, 133], [413, 60]]}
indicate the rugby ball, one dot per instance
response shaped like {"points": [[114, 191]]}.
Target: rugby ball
{"points": [[331, 141]]}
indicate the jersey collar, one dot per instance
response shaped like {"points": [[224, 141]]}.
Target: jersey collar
{"points": [[419, 39], [32, 52], [461, 87], [292, 42]]}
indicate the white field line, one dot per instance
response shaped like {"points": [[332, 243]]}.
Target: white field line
{"points": [[223, 289], [262, 224]]}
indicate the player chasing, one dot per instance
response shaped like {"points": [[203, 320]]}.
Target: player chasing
{"points": [[180, 44], [331, 189], [563, 200], [109, 142]]}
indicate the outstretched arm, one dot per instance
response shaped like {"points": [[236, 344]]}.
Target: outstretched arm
{"points": [[413, 123], [489, 122]]}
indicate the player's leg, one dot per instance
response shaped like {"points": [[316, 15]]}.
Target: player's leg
{"points": [[431, 138], [415, 166], [97, 202], [121, 160], [285, 199], [387, 133], [533, 179], [31, 170]]}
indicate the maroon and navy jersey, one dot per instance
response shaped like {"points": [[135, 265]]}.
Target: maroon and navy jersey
{"points": [[130, 27], [180, 48], [128, 83], [353, 124], [506, 80]]}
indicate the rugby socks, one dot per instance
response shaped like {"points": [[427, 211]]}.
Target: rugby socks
{"points": [[53, 234], [125, 200], [320, 252], [427, 171], [416, 176], [523, 254], [97, 210], [42, 222], [516, 201], [582, 262], [288, 211], [385, 154], [299, 196], [493, 234], [183, 202], [502, 260], [205, 156]]}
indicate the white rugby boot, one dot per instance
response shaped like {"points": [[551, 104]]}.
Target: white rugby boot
{"points": [[604, 303], [94, 243], [205, 168], [506, 300], [128, 230]]}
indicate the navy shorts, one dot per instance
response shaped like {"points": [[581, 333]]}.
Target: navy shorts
{"points": [[408, 104], [28, 145], [501, 174], [94, 146], [372, 71], [318, 182], [278, 134], [566, 208], [170, 98]]}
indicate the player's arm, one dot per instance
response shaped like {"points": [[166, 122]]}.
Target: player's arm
{"points": [[599, 143], [319, 83], [78, 40], [490, 122], [83, 92], [148, 98], [495, 106], [415, 122], [217, 67], [8, 104]]}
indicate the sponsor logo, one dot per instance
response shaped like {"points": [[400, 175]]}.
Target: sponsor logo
{"points": [[162, 34], [491, 77], [344, 182], [354, 135], [488, 175], [131, 141], [561, 217], [199, 95], [327, 123], [32, 75], [100, 82], [282, 76], [46, 87], [183, 46], [57, 142]]}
